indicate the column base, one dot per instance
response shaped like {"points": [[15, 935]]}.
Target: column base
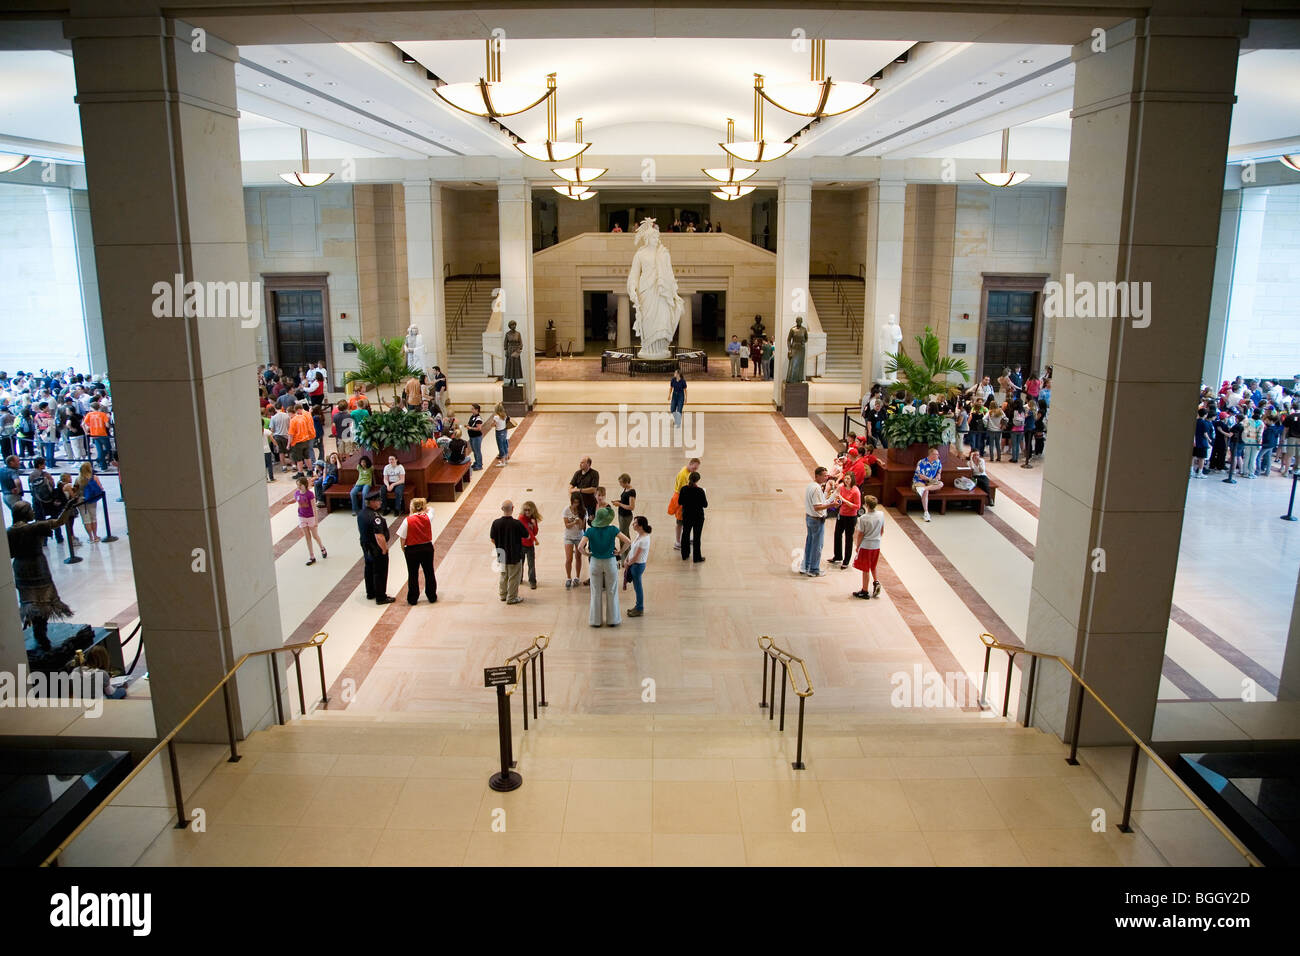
{"points": [[794, 400]]}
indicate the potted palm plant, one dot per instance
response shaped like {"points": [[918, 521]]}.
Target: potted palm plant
{"points": [[910, 436], [394, 430]]}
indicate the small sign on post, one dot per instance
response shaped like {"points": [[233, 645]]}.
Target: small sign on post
{"points": [[501, 678]]}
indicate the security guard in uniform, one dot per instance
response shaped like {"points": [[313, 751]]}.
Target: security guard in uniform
{"points": [[374, 546]]}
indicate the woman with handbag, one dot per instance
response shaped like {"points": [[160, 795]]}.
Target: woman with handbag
{"points": [[91, 492]]}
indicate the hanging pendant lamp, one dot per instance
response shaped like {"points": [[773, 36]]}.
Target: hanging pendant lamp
{"points": [[491, 97], [551, 151], [578, 174], [819, 95], [1003, 178], [304, 177], [758, 150]]}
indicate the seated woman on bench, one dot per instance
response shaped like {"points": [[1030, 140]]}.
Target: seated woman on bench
{"points": [[926, 479], [456, 449]]}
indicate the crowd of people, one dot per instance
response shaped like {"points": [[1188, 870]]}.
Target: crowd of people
{"points": [[1246, 427], [757, 355]]}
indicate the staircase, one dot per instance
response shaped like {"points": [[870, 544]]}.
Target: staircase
{"points": [[881, 788], [465, 346], [843, 353]]}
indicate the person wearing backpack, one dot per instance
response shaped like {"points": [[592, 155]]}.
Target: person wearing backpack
{"points": [[91, 492], [44, 494]]}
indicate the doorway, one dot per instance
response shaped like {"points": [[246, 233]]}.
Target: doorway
{"points": [[709, 320], [1010, 327], [297, 307], [600, 321]]}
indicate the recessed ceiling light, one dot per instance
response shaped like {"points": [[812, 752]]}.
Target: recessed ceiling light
{"points": [[309, 74], [981, 82], [281, 61], [941, 101], [330, 83], [307, 102], [1049, 84], [262, 85], [367, 101], [1026, 61]]}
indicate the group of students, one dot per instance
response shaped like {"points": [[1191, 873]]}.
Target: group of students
{"points": [[52, 493], [858, 528], [1244, 427], [56, 414]]}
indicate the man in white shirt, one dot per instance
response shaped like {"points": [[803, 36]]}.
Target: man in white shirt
{"points": [[815, 504], [394, 484]]}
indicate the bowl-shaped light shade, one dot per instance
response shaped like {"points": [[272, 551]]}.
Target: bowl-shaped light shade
{"points": [[730, 193], [581, 174], [1291, 159], [729, 174], [12, 161], [817, 97], [1003, 179], [763, 152], [492, 99], [573, 192], [550, 152], [305, 179]]}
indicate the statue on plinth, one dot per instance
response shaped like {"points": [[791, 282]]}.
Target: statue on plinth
{"points": [[757, 330], [891, 333], [514, 350], [795, 343], [652, 289], [414, 350]]}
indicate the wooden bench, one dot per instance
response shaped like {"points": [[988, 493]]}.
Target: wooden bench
{"points": [[443, 482], [941, 497]]}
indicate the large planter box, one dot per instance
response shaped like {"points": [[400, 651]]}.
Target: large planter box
{"points": [[913, 453]]}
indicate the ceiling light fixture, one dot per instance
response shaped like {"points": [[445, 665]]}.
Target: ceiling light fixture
{"points": [[819, 96], [756, 150], [491, 97], [1291, 160], [729, 174], [576, 174], [1004, 178], [13, 161], [733, 192], [305, 177], [552, 151], [579, 193]]}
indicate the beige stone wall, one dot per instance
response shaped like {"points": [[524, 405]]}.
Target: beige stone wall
{"points": [[838, 230], [308, 230], [574, 217], [928, 222], [1009, 231], [600, 261], [471, 230], [380, 215]]}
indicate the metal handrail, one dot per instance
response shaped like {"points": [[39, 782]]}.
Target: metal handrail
{"points": [[785, 659], [846, 307], [1139, 745], [169, 741], [466, 297]]}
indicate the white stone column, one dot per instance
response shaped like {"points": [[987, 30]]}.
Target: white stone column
{"points": [[515, 216], [793, 248], [884, 281], [1147, 149], [685, 328], [1221, 298], [89, 283], [424, 266], [200, 533], [623, 339]]}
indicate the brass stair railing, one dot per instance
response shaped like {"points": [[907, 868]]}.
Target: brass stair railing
{"points": [[847, 312], [785, 659], [169, 741], [1080, 689], [467, 296]]}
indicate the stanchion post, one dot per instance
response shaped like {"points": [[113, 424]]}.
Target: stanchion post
{"points": [[798, 754], [108, 526], [762, 704], [1290, 508], [1232, 464], [541, 660], [507, 779], [72, 557]]}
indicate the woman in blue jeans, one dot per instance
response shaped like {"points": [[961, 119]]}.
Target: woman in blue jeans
{"points": [[365, 478], [635, 561], [500, 422], [677, 396]]}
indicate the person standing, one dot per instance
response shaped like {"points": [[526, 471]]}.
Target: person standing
{"points": [[91, 492], [994, 423], [343, 430], [41, 485], [602, 543], [733, 353], [475, 428], [394, 484], [677, 396], [756, 357], [926, 479], [280, 430], [626, 505], [374, 547], [866, 541], [815, 506], [846, 520], [680, 482], [575, 522], [531, 519], [307, 519], [501, 422], [507, 535], [301, 434], [584, 482], [692, 500], [96, 425], [416, 534], [635, 561], [11, 484]]}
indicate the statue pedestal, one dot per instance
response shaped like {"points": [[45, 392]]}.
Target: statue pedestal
{"points": [[552, 343], [794, 400], [512, 397]]}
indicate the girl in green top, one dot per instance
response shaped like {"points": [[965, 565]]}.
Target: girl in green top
{"points": [[365, 478], [602, 542]]}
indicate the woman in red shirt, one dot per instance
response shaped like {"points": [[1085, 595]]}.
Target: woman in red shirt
{"points": [[530, 518], [846, 520], [416, 535]]}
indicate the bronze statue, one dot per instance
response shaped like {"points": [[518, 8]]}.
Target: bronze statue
{"points": [[514, 351], [757, 330], [795, 343]]}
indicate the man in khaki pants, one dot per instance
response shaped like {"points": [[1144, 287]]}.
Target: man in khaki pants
{"points": [[508, 535]]}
